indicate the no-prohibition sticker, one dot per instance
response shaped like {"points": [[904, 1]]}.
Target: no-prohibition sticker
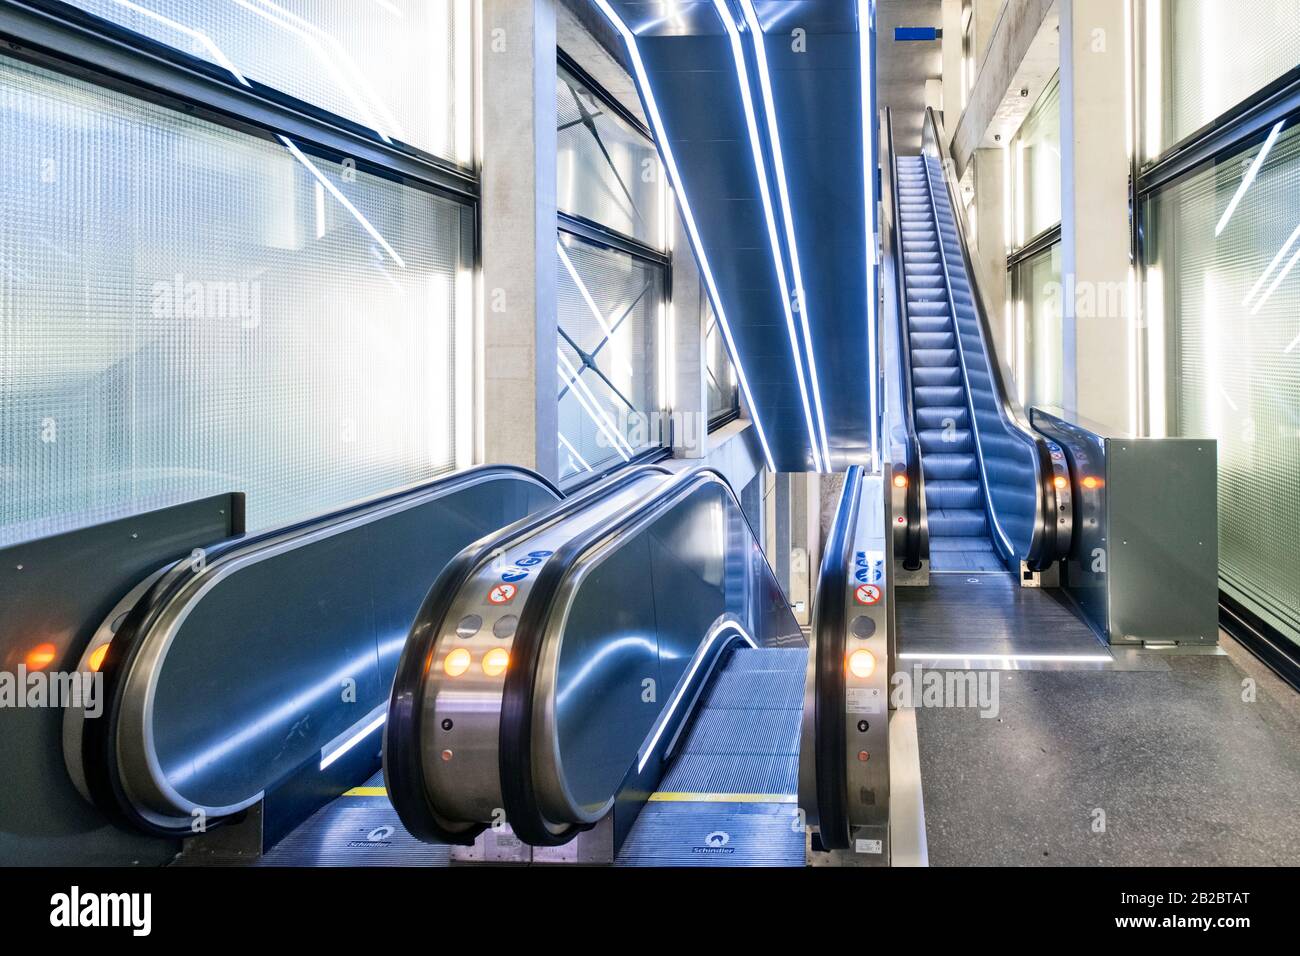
{"points": [[502, 593], [867, 594]]}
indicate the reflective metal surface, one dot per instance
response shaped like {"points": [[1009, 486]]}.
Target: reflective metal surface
{"points": [[617, 615], [769, 160], [844, 754], [1145, 563], [246, 664], [461, 714], [901, 449], [683, 578]]}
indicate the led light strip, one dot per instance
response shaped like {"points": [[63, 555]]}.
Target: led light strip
{"points": [[1248, 179], [573, 381], [304, 30], [343, 200], [687, 682], [592, 306], [580, 460], [1281, 253], [821, 453], [352, 741], [688, 218], [204, 40]]}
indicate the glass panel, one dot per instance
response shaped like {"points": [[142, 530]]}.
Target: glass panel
{"points": [[1037, 154], [402, 68], [187, 310], [606, 171], [1040, 359], [1228, 288], [610, 306], [722, 385], [1209, 55]]}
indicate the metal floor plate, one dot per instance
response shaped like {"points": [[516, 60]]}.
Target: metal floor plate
{"points": [[974, 621], [360, 828], [728, 799], [715, 834]]}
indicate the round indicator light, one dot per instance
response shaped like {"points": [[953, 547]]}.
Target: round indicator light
{"points": [[456, 663], [862, 663], [496, 661]]}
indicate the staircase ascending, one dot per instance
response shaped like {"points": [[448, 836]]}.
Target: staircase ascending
{"points": [[954, 495]]}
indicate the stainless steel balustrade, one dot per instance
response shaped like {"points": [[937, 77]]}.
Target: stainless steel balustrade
{"points": [[237, 668], [612, 621], [901, 445]]}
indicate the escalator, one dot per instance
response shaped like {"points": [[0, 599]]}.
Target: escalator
{"points": [[960, 534], [244, 686], [985, 501], [989, 494], [640, 693], [618, 668]]}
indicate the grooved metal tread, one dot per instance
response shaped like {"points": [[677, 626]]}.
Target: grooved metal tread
{"points": [[959, 536], [728, 796]]}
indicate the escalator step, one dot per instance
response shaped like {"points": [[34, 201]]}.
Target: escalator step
{"points": [[735, 731], [957, 523]]}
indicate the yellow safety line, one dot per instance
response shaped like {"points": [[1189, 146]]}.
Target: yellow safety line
{"points": [[660, 797], [664, 796]]}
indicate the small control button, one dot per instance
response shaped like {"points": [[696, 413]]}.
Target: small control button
{"points": [[863, 756], [862, 627], [469, 626], [863, 726], [505, 626], [447, 724]]}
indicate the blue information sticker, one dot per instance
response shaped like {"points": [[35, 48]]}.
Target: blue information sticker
{"points": [[514, 574]]}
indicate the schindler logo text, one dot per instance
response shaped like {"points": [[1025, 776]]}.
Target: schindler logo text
{"points": [[133, 910]]}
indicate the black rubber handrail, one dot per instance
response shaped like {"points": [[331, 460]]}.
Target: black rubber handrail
{"points": [[518, 789], [99, 736], [403, 734], [829, 630], [912, 539], [1048, 542]]}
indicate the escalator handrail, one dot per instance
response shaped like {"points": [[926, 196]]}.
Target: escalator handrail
{"points": [[403, 731], [914, 493], [1044, 545], [828, 654], [518, 700], [174, 587]]}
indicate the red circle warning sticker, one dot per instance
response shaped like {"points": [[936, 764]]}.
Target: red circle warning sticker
{"points": [[867, 594], [503, 593]]}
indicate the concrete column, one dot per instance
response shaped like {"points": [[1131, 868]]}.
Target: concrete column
{"points": [[689, 389], [991, 238], [520, 381], [986, 14], [1099, 364], [952, 64]]}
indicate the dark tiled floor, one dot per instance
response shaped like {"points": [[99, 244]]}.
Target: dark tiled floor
{"points": [[988, 613], [1186, 772]]}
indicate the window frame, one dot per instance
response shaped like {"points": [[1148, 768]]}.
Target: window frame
{"points": [[599, 235], [1237, 130], [68, 40]]}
